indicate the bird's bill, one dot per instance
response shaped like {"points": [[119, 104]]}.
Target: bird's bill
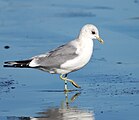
{"points": [[100, 40]]}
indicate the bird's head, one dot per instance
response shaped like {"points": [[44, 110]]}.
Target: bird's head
{"points": [[90, 31]]}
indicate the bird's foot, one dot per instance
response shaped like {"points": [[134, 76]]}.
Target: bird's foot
{"points": [[69, 80], [75, 84]]}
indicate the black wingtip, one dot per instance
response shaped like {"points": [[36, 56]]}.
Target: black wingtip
{"points": [[6, 62], [9, 66], [9, 62], [18, 64]]}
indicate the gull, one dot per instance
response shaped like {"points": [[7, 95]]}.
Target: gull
{"points": [[66, 58]]}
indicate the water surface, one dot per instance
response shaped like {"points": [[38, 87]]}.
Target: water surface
{"points": [[110, 82]]}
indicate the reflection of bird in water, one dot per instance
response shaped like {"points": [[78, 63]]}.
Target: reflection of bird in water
{"points": [[65, 112], [66, 58]]}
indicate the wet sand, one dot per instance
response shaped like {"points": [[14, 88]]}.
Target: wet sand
{"points": [[110, 82]]}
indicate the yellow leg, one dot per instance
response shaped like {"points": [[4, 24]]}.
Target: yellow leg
{"points": [[69, 80]]}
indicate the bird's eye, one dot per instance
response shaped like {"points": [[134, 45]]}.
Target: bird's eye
{"points": [[93, 32]]}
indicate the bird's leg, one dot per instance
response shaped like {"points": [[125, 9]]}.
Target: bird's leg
{"points": [[69, 80], [66, 83], [64, 78]]}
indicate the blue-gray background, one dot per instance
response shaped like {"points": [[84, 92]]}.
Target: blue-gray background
{"points": [[110, 82]]}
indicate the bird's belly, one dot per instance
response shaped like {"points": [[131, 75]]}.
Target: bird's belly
{"points": [[79, 61]]}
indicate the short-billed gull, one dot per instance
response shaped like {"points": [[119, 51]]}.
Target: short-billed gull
{"points": [[66, 58]]}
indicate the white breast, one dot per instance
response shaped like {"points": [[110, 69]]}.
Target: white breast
{"points": [[85, 51]]}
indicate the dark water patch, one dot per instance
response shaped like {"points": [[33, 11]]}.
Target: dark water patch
{"points": [[136, 1], [16, 118], [6, 46], [113, 78], [113, 85], [113, 89], [77, 14], [134, 18], [100, 59], [79, 6], [6, 84], [123, 63], [119, 63], [103, 8], [130, 91], [73, 90]]}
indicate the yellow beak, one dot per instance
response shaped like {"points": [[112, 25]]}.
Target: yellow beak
{"points": [[100, 40]]}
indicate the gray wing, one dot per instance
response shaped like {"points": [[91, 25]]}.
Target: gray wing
{"points": [[56, 57]]}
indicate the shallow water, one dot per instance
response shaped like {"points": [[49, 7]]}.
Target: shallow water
{"points": [[110, 82]]}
